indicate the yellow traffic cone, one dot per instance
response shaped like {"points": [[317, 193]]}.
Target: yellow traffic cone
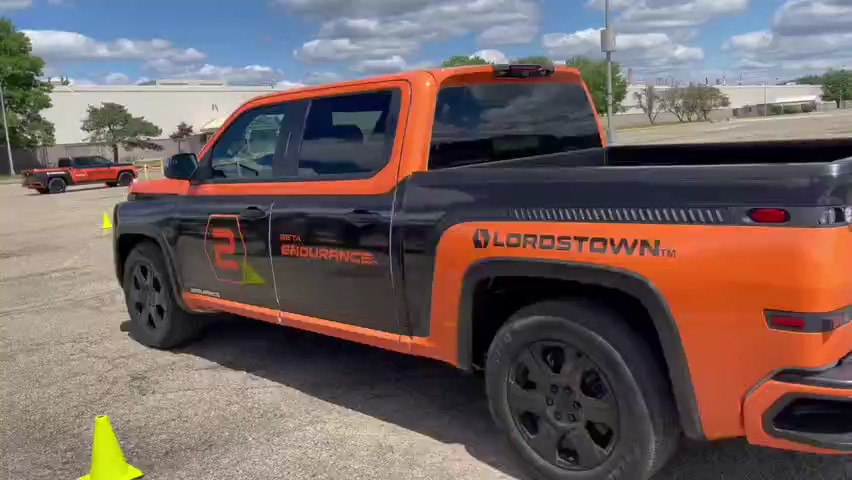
{"points": [[107, 224], [108, 462]]}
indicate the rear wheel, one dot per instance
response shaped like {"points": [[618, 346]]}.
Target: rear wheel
{"points": [[156, 319], [125, 179], [56, 185], [579, 395]]}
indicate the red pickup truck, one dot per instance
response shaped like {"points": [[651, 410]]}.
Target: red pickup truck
{"points": [[81, 170], [616, 297]]}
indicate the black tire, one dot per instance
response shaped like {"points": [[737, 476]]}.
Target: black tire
{"points": [[111, 184], [56, 185], [42, 190], [634, 429], [156, 319], [125, 178]]}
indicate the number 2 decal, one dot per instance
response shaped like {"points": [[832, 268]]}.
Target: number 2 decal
{"points": [[225, 248]]}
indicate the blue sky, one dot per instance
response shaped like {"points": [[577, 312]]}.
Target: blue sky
{"points": [[311, 41]]}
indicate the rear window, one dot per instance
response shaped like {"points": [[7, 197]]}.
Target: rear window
{"points": [[491, 122]]}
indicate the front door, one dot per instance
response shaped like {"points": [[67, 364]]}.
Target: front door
{"points": [[223, 246], [331, 257]]}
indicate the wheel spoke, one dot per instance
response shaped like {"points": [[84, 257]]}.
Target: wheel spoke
{"points": [[521, 400], [572, 372], [589, 454], [546, 441], [139, 278], [135, 295], [601, 411], [539, 372]]}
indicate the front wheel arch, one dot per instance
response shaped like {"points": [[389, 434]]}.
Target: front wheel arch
{"points": [[611, 278], [125, 242]]}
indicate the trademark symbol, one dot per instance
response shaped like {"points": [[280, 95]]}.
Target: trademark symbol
{"points": [[668, 252]]}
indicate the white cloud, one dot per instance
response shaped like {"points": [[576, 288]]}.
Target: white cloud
{"points": [[382, 65], [253, 74], [383, 29], [62, 47], [807, 36], [655, 51], [15, 4], [659, 15], [492, 56], [117, 79], [806, 17], [317, 78]]}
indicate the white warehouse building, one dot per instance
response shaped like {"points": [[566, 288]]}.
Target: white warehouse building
{"points": [[205, 105]]}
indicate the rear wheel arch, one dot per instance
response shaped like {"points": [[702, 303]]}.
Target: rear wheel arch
{"points": [[594, 280]]}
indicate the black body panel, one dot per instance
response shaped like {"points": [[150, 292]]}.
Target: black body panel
{"points": [[352, 292], [222, 246]]}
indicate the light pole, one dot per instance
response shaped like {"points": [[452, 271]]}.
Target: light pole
{"points": [[6, 128], [608, 46]]}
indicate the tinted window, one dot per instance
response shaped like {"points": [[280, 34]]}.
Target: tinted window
{"points": [[98, 161], [491, 122], [246, 148], [64, 162], [349, 134]]}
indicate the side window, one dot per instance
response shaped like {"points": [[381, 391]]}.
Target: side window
{"points": [[100, 162], [349, 134], [246, 149], [82, 162]]}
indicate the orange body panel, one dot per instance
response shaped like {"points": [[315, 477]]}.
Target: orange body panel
{"points": [[765, 397], [743, 271]]}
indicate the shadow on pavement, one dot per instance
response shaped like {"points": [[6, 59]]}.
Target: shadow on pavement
{"points": [[445, 404], [70, 190]]}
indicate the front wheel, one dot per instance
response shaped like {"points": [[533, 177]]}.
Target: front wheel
{"points": [[156, 319], [579, 395]]}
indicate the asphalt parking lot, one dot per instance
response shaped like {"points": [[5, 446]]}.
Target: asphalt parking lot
{"points": [[249, 400]]}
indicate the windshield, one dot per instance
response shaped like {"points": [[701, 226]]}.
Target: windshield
{"points": [[490, 122]]}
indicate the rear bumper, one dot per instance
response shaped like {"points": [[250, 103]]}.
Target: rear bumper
{"points": [[31, 181], [803, 410]]}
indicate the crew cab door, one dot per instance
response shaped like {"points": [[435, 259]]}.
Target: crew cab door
{"points": [[331, 226], [100, 169], [223, 243]]}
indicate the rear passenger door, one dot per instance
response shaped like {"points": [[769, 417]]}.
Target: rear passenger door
{"points": [[332, 257], [101, 169]]}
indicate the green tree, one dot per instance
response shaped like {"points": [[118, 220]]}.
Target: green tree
{"points": [[837, 86], [462, 60], [181, 133], [113, 125], [594, 74], [26, 94]]}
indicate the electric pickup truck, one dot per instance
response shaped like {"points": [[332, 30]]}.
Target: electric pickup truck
{"points": [[615, 298], [81, 170]]}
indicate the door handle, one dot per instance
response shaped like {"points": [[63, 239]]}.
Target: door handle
{"points": [[362, 215], [253, 213]]}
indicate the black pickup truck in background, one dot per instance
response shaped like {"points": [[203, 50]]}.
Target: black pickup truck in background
{"points": [[82, 170]]}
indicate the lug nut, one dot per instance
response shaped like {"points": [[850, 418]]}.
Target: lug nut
{"points": [[558, 416], [549, 401], [554, 389]]}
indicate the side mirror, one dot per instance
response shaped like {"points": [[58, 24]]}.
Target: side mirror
{"points": [[180, 166]]}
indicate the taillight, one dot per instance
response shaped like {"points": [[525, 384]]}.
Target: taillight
{"points": [[809, 322], [769, 215]]}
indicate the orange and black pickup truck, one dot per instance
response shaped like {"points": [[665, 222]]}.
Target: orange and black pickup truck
{"points": [[615, 298], [82, 170]]}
